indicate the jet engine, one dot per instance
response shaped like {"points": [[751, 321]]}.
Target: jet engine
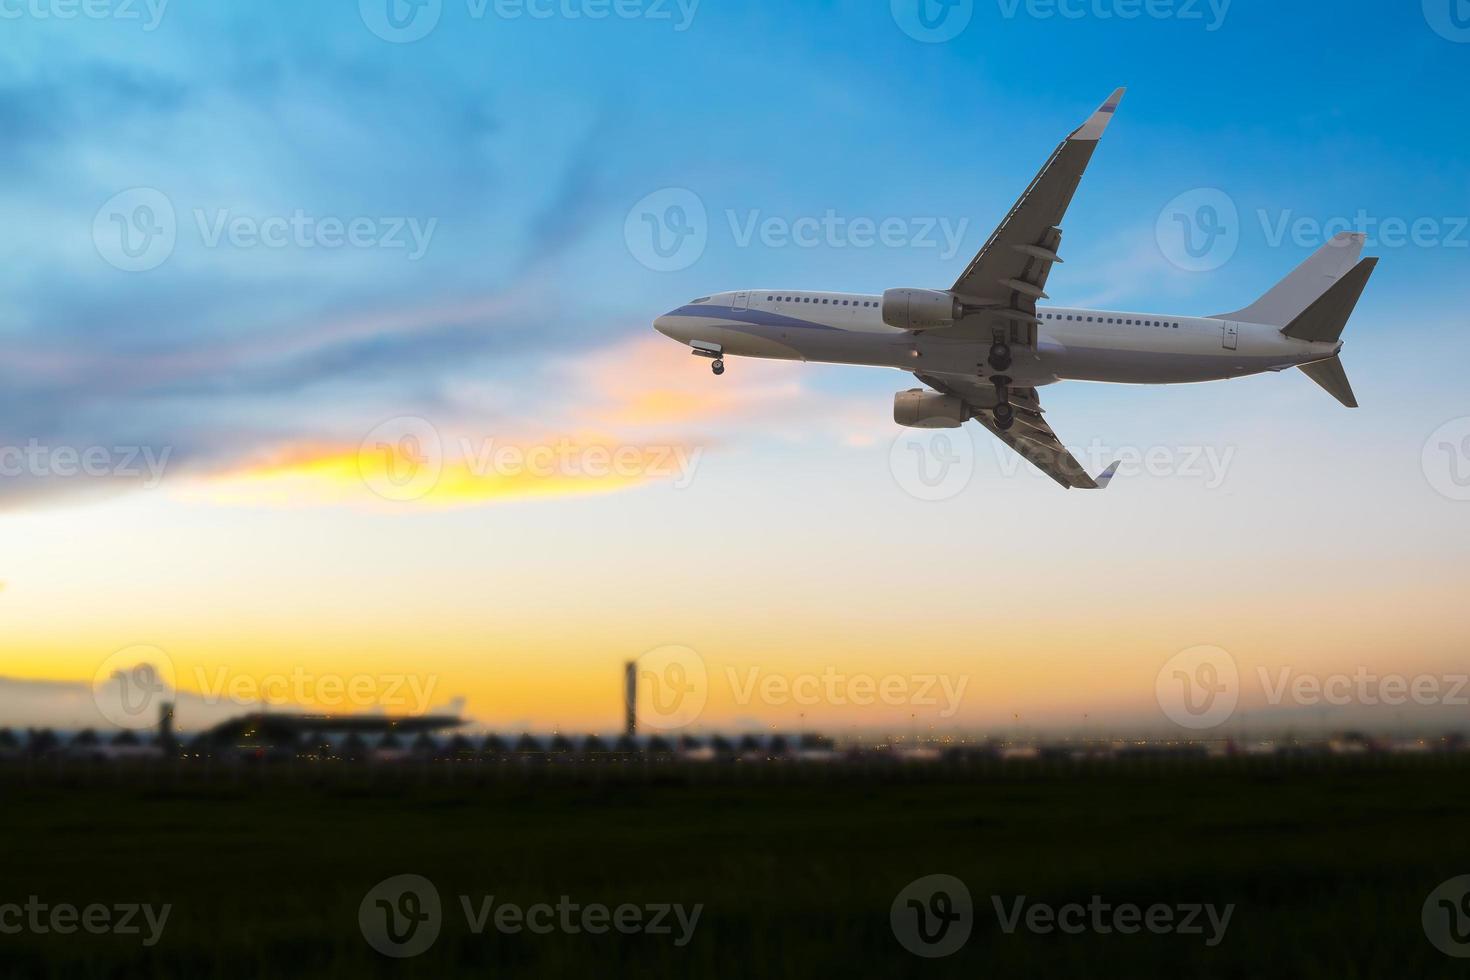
{"points": [[920, 409], [920, 309]]}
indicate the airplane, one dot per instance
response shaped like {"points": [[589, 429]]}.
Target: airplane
{"points": [[983, 347]]}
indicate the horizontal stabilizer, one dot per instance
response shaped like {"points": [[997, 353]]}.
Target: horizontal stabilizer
{"points": [[1333, 379], [1324, 320]]}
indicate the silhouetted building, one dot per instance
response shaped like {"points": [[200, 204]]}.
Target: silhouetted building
{"points": [[630, 698]]}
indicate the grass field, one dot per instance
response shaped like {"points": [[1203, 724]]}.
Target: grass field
{"points": [[1327, 864]]}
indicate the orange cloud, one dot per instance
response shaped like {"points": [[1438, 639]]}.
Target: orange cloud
{"points": [[629, 418], [450, 471]]}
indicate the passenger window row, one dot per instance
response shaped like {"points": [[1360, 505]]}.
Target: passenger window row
{"points": [[1123, 321], [809, 299]]}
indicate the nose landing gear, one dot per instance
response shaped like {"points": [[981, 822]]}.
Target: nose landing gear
{"points": [[716, 354]]}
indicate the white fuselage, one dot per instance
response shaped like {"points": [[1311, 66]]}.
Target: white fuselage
{"points": [[1072, 344]]}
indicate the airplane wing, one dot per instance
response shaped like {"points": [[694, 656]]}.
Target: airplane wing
{"points": [[1009, 274], [1029, 435]]}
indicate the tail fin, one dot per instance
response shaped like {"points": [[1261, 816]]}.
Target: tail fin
{"points": [[1288, 298], [1324, 320], [1333, 379]]}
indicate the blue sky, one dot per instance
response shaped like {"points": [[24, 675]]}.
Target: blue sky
{"points": [[519, 148]]}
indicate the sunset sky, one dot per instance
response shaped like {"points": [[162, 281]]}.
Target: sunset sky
{"points": [[491, 322]]}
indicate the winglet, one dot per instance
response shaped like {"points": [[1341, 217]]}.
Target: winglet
{"points": [[1106, 476], [1092, 130]]}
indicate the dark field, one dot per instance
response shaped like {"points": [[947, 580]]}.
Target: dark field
{"points": [[1327, 862]]}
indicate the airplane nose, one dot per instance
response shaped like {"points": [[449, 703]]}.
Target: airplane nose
{"points": [[669, 326]]}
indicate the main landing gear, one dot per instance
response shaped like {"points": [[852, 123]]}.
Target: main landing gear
{"points": [[717, 366], [1000, 362], [1005, 415], [1000, 357]]}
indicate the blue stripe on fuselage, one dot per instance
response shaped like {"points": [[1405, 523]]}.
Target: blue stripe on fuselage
{"points": [[757, 317]]}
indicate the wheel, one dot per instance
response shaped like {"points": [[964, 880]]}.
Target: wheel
{"points": [[1004, 416], [718, 366], [1000, 356]]}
